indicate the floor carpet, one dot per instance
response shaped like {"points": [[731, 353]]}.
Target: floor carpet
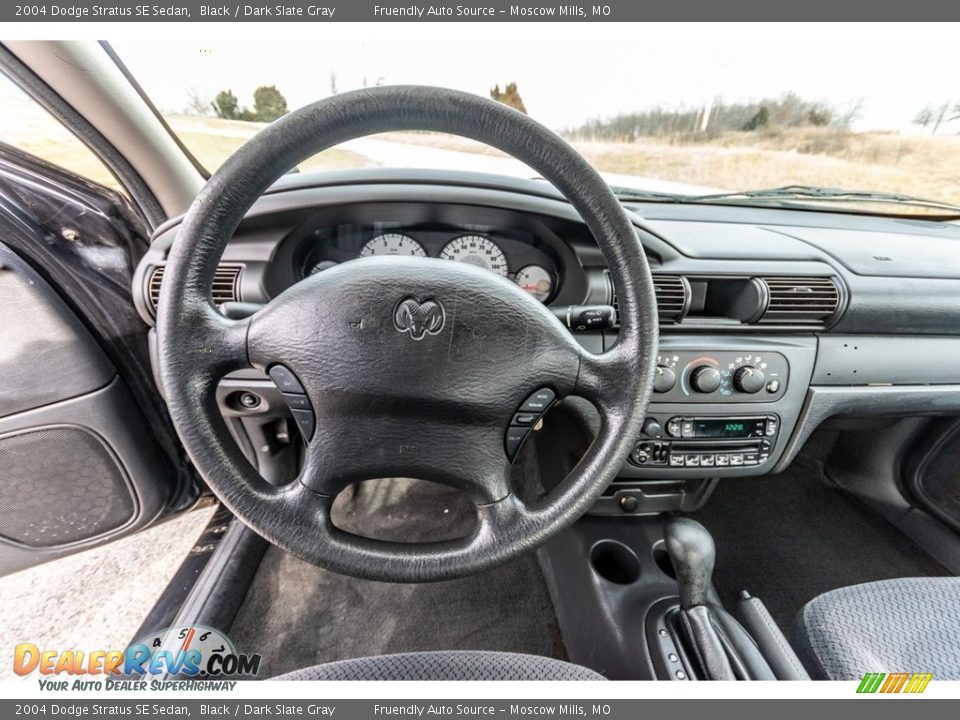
{"points": [[297, 615], [790, 537]]}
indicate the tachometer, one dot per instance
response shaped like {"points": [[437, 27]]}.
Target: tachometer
{"points": [[476, 250], [392, 243], [535, 280]]}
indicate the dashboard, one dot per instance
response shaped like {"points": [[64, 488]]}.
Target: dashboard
{"points": [[771, 320]]}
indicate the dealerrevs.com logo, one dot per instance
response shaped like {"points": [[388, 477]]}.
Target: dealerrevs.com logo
{"points": [[194, 652]]}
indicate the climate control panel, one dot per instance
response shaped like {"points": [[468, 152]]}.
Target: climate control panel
{"points": [[729, 376]]}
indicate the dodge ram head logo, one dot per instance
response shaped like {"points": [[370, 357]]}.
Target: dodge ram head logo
{"points": [[419, 317]]}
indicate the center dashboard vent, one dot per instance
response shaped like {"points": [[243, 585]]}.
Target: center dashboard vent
{"points": [[225, 288], [799, 300], [673, 296]]}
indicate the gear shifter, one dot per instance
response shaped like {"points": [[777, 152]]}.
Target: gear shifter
{"points": [[692, 554]]}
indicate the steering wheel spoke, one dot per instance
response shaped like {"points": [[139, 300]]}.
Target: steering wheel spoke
{"points": [[350, 449]]}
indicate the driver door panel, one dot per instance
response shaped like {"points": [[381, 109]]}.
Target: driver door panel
{"points": [[80, 463]]}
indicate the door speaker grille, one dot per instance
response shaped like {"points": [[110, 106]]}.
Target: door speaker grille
{"points": [[60, 485]]}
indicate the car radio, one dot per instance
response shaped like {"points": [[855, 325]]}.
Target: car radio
{"points": [[707, 441]]}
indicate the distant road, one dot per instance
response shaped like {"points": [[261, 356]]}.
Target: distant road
{"points": [[397, 154], [389, 153]]}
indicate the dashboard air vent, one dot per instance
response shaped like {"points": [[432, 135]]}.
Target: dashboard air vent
{"points": [[800, 300], [672, 296], [225, 288]]}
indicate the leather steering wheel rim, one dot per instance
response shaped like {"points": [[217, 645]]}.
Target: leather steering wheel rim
{"points": [[334, 327]]}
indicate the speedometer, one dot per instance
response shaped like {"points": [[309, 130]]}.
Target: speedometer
{"points": [[476, 250], [392, 243]]}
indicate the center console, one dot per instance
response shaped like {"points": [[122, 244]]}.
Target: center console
{"points": [[722, 407]]}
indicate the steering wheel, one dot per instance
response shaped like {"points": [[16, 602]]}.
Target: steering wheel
{"points": [[413, 367]]}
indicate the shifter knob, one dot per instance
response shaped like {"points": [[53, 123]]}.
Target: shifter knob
{"points": [[692, 554]]}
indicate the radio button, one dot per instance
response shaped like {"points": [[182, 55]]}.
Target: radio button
{"points": [[673, 427], [706, 460], [692, 460], [772, 427], [676, 460], [736, 459], [750, 459], [686, 428], [722, 459]]}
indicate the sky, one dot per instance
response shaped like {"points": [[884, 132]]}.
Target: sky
{"points": [[569, 73]]}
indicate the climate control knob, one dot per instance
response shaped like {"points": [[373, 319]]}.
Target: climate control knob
{"points": [[705, 379], [664, 380], [748, 379]]}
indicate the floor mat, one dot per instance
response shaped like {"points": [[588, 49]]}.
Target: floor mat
{"points": [[790, 537], [297, 615]]}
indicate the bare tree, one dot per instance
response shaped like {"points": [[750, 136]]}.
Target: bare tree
{"points": [[197, 104], [941, 116], [924, 118]]}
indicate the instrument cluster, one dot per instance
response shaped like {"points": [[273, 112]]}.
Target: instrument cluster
{"points": [[515, 258]]}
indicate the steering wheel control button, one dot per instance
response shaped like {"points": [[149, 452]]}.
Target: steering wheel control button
{"points": [[285, 380], [515, 438], [297, 402], [538, 402], [528, 415], [306, 422]]}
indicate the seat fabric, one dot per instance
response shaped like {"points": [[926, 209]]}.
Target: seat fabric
{"points": [[904, 625], [447, 665]]}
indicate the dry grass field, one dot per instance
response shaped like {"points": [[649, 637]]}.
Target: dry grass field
{"points": [[923, 166]]}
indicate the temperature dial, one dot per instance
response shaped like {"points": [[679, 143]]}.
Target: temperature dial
{"points": [[705, 379], [748, 379]]}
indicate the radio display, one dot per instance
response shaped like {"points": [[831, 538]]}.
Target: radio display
{"points": [[722, 428]]}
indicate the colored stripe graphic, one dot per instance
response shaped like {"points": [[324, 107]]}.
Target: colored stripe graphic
{"points": [[918, 682], [913, 683]]}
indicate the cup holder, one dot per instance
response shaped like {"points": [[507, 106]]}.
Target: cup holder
{"points": [[615, 562], [662, 558]]}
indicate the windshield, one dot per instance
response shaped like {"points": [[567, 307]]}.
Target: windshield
{"points": [[686, 110]]}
